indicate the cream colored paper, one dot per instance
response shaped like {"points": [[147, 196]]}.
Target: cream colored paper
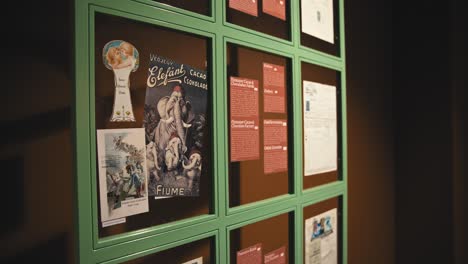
{"points": [[317, 19], [195, 261], [320, 129], [123, 180], [321, 247]]}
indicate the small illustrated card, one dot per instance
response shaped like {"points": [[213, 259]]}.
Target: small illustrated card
{"points": [[123, 181], [320, 243], [122, 58]]}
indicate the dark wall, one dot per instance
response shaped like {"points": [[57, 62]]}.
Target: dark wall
{"points": [[429, 137], [370, 132], [459, 54], [36, 146]]}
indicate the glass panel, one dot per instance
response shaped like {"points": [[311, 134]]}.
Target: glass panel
{"points": [[326, 134], [260, 125], [198, 6], [268, 240], [267, 16], [323, 232], [168, 92], [321, 39], [198, 252]]}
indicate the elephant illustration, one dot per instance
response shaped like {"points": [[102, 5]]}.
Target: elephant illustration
{"points": [[176, 115], [192, 170], [151, 160], [173, 153]]}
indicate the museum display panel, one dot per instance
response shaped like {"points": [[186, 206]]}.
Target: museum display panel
{"points": [[205, 132], [136, 111], [260, 126]]}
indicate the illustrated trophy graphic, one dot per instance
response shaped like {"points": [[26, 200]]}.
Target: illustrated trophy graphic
{"points": [[122, 58]]}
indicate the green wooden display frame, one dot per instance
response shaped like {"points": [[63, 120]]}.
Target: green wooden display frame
{"points": [[134, 244]]}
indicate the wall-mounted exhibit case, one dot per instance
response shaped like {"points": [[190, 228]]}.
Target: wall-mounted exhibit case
{"points": [[210, 131]]}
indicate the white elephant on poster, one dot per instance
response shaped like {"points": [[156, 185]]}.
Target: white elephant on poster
{"points": [[192, 169], [176, 115]]}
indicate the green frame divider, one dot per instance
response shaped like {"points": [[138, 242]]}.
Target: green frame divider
{"points": [[222, 219]]}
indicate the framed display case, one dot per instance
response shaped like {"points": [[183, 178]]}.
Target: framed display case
{"points": [[205, 130]]}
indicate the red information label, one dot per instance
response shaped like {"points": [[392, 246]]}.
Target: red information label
{"points": [[273, 88], [247, 6], [244, 119], [276, 8], [275, 145], [250, 255], [276, 257]]}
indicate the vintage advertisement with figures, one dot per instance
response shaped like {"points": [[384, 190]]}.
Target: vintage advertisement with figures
{"points": [[175, 127], [122, 172], [321, 239]]}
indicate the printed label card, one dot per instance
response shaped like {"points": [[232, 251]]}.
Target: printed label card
{"points": [[244, 119], [276, 8], [123, 181], [250, 255], [176, 126], [246, 6], [274, 92], [275, 145], [276, 257]]}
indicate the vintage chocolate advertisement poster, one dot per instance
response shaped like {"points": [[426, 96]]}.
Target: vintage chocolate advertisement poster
{"points": [[122, 172], [321, 239], [175, 124]]}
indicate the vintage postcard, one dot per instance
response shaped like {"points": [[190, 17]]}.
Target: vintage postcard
{"points": [[321, 246], [122, 172]]}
